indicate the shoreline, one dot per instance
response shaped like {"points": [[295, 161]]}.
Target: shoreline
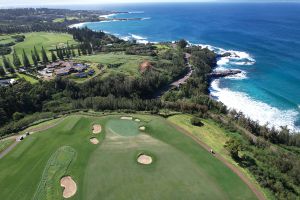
{"points": [[256, 110]]}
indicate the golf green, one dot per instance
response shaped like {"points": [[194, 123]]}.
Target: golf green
{"points": [[181, 169], [123, 127]]}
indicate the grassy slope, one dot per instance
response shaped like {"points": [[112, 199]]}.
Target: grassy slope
{"points": [[181, 169], [213, 136], [5, 143], [130, 63]]}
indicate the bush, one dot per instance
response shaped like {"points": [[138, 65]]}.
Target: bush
{"points": [[196, 121]]}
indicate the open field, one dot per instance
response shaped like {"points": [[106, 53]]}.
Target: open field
{"points": [[46, 39], [180, 168], [129, 64]]}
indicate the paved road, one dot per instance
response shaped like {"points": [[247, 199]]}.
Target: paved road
{"points": [[179, 81]]}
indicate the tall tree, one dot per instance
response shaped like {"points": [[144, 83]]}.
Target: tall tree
{"points": [[16, 60], [53, 56], [2, 72], [79, 53], [37, 55], [26, 62], [44, 56], [7, 65], [34, 59], [73, 53]]}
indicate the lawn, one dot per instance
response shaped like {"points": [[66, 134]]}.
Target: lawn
{"points": [[129, 64], [181, 169], [38, 39], [6, 143]]}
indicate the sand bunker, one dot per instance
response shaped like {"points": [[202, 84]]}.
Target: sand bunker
{"points": [[142, 128], [69, 185], [97, 129], [94, 141], [128, 118], [137, 120], [144, 159]]}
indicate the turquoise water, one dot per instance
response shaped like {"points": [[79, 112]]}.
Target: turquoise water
{"points": [[265, 38]]}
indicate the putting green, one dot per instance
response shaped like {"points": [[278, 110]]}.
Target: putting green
{"points": [[123, 127], [181, 169]]}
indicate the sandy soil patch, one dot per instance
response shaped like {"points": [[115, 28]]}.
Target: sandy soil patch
{"points": [[128, 118], [144, 66], [69, 186], [137, 120], [97, 128], [142, 128], [144, 159], [94, 141]]}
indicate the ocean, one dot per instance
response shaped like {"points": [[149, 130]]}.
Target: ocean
{"points": [[263, 37]]}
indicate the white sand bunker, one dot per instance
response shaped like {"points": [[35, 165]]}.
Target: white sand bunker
{"points": [[94, 140], [128, 118], [69, 185], [137, 120], [144, 159], [142, 128], [97, 128]]}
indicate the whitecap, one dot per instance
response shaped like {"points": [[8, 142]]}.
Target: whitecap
{"points": [[256, 110]]}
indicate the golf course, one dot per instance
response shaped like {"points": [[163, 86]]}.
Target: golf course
{"points": [[115, 157]]}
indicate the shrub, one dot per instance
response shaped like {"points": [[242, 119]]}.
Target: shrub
{"points": [[196, 121]]}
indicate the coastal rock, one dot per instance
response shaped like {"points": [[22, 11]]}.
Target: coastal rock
{"points": [[224, 73]]}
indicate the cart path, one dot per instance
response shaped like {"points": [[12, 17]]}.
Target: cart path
{"points": [[34, 130]]}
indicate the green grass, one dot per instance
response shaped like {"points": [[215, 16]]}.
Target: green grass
{"points": [[38, 39], [214, 136], [123, 127], [4, 39], [60, 20], [28, 78], [5, 143], [181, 169], [56, 167], [129, 63]]}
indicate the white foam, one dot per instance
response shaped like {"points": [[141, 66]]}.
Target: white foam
{"points": [[136, 12], [256, 110], [79, 25], [239, 76], [107, 16]]}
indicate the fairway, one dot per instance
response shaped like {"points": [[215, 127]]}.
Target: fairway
{"points": [[48, 40], [179, 167], [129, 64]]}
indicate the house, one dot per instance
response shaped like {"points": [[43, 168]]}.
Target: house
{"points": [[7, 82]]}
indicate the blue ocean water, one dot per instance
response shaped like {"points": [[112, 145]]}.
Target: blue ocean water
{"points": [[269, 34]]}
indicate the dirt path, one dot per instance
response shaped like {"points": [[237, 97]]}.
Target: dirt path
{"points": [[253, 188], [34, 130]]}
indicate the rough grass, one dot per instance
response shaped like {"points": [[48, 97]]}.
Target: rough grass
{"points": [[214, 136], [56, 167], [181, 169], [5, 143], [129, 64]]}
